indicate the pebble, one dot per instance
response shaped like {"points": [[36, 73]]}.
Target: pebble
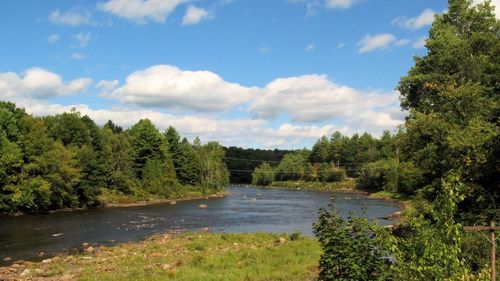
{"points": [[7, 259], [25, 272], [166, 266], [202, 206]]}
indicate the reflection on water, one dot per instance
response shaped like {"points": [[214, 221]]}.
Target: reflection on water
{"points": [[245, 210]]}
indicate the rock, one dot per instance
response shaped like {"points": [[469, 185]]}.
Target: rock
{"points": [[173, 202], [202, 206], [206, 229], [396, 215], [38, 271], [16, 265], [282, 240], [166, 266], [206, 197], [235, 244], [89, 250], [85, 245], [41, 254], [47, 261], [25, 273], [7, 259]]}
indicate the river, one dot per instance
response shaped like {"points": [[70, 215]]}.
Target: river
{"points": [[246, 209]]}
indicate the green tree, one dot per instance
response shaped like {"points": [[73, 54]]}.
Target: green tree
{"points": [[320, 151], [214, 171], [263, 175], [452, 96], [291, 167], [147, 143]]}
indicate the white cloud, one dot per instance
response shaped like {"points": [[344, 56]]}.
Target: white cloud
{"points": [[314, 98], [376, 42], [495, 3], [53, 38], [264, 48], [77, 56], [195, 15], [309, 48], [340, 4], [419, 43], [402, 42], [308, 98], [83, 38], [303, 99], [340, 45], [141, 11], [74, 17], [38, 83], [107, 85], [166, 86], [242, 132], [424, 19]]}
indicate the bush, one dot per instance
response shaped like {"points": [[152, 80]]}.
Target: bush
{"points": [[263, 175], [353, 248], [389, 175], [329, 173]]}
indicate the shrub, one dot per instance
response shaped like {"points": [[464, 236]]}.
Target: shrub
{"points": [[329, 173], [353, 248], [263, 175]]}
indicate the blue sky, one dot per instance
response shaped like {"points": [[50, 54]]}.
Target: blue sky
{"points": [[260, 73]]}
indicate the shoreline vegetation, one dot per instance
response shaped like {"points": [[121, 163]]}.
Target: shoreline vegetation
{"points": [[184, 256]]}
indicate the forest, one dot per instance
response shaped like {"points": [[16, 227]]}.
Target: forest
{"points": [[67, 161]]}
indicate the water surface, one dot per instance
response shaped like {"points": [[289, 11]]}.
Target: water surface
{"points": [[244, 210]]}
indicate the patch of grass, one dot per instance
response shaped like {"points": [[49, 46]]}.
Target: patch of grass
{"points": [[191, 256]]}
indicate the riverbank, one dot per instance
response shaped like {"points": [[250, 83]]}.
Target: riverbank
{"points": [[186, 256], [347, 185], [113, 200]]}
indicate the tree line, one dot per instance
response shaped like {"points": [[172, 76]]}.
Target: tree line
{"points": [[67, 161]]}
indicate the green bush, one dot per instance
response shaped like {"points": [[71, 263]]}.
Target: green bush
{"points": [[353, 248], [389, 175], [329, 173], [263, 175]]}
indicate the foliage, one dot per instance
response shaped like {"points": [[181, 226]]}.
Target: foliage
{"points": [[330, 173], [353, 248], [452, 96], [291, 167], [263, 175], [66, 161], [390, 175], [239, 160], [430, 246]]}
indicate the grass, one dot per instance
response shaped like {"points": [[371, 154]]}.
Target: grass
{"points": [[188, 256], [116, 198], [347, 184]]}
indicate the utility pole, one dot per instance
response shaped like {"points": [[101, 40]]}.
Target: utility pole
{"points": [[492, 228]]}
